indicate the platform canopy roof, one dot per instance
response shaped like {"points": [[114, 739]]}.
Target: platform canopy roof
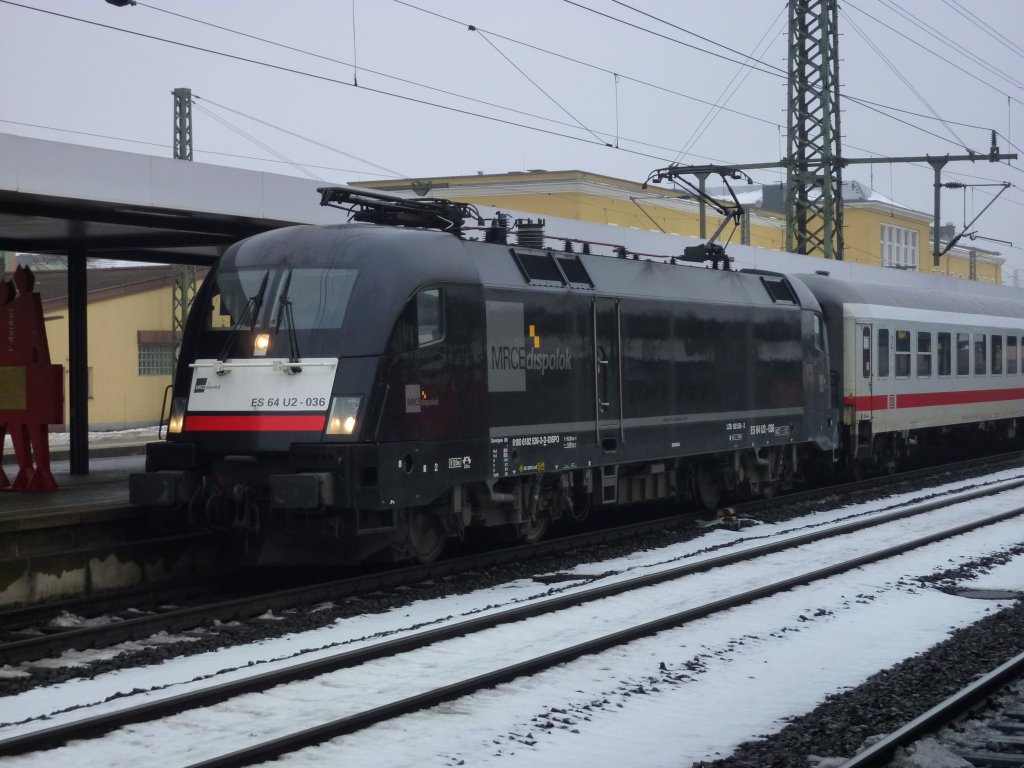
{"points": [[65, 198]]}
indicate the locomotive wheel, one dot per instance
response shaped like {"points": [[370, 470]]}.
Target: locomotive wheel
{"points": [[425, 536], [708, 491], [532, 531]]}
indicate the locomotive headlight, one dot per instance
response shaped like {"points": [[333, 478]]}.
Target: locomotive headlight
{"points": [[260, 346], [177, 421], [341, 420]]}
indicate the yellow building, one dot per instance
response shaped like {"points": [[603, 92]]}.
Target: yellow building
{"points": [[876, 230], [129, 339]]}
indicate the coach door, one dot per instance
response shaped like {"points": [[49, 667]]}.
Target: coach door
{"points": [[865, 373], [607, 333]]}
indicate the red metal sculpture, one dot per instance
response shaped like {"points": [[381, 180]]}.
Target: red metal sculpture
{"points": [[31, 389]]}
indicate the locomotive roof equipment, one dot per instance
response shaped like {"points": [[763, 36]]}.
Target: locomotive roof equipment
{"points": [[379, 208], [709, 251]]}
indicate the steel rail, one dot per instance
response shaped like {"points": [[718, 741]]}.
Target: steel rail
{"points": [[99, 724], [879, 754]]}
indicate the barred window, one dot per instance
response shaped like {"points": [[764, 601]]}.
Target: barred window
{"points": [[899, 247], [156, 353], [155, 360]]}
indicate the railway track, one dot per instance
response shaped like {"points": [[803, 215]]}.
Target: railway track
{"points": [[994, 742], [31, 634], [92, 726]]}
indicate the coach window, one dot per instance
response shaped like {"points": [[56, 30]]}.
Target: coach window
{"points": [[883, 352], [865, 353], [997, 354], [902, 353], [943, 354], [963, 354], [1011, 354], [980, 362], [924, 353]]}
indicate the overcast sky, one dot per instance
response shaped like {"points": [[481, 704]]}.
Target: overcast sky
{"points": [[533, 85]]}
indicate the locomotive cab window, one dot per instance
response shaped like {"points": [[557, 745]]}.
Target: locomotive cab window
{"points": [[255, 295], [421, 322], [429, 317], [819, 338]]}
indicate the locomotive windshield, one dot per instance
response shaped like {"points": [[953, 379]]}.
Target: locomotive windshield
{"points": [[319, 297]]}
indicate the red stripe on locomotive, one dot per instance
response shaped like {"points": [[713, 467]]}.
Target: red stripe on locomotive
{"points": [[256, 423]]}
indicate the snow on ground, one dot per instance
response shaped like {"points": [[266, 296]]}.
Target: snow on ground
{"points": [[684, 695], [63, 439]]}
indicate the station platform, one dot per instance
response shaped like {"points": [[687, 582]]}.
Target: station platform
{"points": [[112, 457], [84, 537]]}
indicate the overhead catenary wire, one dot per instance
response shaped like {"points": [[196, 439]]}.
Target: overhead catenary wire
{"points": [[254, 140], [580, 62], [446, 107], [949, 43], [379, 91], [769, 69], [985, 27], [166, 145], [778, 73], [727, 93], [332, 80], [931, 52], [716, 43], [300, 136], [536, 85], [902, 78], [471, 99]]}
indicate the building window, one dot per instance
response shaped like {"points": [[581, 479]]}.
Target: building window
{"points": [[899, 247], [156, 353]]}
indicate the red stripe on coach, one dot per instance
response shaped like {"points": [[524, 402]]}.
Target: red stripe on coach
{"points": [[934, 399], [256, 423]]}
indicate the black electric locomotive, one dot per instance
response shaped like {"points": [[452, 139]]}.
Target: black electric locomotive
{"points": [[369, 390]]}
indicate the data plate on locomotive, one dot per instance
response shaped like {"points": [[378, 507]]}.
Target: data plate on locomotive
{"points": [[263, 385]]}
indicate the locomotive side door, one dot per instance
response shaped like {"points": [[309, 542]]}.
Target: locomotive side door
{"points": [[607, 336], [864, 367]]}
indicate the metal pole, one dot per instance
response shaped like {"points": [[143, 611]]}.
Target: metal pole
{"points": [[78, 360]]}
